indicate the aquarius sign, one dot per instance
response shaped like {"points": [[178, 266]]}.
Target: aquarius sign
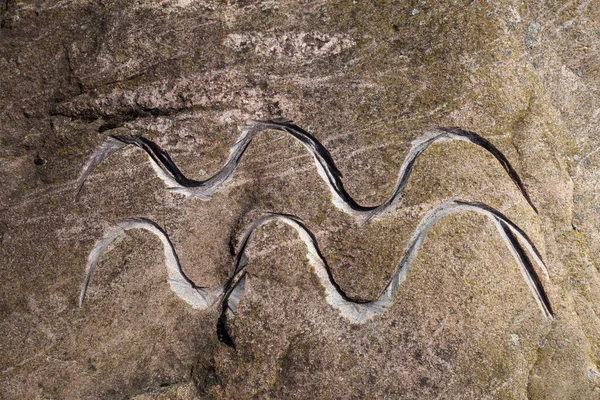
{"points": [[229, 294]]}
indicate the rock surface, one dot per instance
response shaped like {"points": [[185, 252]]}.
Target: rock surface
{"points": [[365, 77]]}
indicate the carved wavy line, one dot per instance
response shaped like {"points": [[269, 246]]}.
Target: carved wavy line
{"points": [[230, 293], [176, 181], [181, 285]]}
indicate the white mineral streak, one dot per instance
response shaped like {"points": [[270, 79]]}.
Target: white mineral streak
{"points": [[300, 46]]}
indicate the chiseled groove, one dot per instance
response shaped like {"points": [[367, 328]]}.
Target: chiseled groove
{"points": [[181, 285], [176, 181], [230, 293]]}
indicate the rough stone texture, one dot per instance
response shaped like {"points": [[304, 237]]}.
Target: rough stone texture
{"points": [[366, 77]]}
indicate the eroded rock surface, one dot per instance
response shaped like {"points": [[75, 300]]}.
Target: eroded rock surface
{"points": [[365, 78]]}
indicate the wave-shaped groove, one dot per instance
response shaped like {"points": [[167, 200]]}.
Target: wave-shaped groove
{"points": [[181, 285], [178, 182], [230, 293]]}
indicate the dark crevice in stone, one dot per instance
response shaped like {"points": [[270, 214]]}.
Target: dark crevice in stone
{"points": [[112, 121], [39, 160]]}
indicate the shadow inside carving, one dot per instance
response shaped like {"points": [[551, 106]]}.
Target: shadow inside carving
{"points": [[178, 182], [229, 294]]}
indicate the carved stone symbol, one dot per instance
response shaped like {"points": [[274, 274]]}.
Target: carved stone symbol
{"points": [[229, 294]]}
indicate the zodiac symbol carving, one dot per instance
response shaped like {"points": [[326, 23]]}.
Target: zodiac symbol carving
{"points": [[229, 294]]}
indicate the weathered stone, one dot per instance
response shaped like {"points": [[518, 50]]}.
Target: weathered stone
{"points": [[365, 78]]}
